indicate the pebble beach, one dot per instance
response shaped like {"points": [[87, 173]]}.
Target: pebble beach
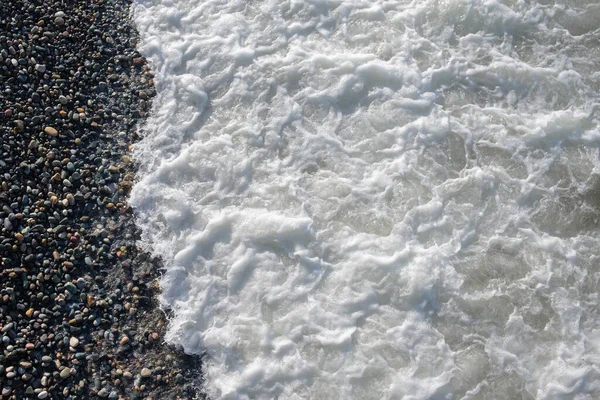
{"points": [[382, 199], [79, 317]]}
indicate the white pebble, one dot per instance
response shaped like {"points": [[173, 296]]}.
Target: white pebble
{"points": [[73, 342]]}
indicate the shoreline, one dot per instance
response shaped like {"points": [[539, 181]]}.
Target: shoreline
{"points": [[78, 311]]}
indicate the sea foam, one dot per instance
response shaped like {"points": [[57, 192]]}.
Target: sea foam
{"points": [[383, 199]]}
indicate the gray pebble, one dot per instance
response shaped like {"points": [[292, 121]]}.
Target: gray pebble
{"points": [[8, 326]]}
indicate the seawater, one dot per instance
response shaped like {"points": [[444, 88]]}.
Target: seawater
{"points": [[385, 199]]}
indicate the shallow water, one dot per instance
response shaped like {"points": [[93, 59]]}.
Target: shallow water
{"points": [[382, 199]]}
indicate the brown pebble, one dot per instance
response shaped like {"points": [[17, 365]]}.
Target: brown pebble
{"points": [[19, 125], [50, 131]]}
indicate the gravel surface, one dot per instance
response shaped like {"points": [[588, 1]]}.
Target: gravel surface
{"points": [[78, 315]]}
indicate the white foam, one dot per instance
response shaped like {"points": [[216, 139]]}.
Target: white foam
{"points": [[377, 199]]}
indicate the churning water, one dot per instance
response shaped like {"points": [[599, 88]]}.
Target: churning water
{"points": [[384, 199]]}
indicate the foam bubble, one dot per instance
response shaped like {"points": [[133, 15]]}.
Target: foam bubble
{"points": [[376, 200]]}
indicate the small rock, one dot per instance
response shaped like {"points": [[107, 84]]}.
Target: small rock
{"points": [[81, 284], [50, 131], [43, 395], [65, 373], [145, 373], [71, 288], [19, 125], [73, 342]]}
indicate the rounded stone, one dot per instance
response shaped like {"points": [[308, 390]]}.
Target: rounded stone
{"points": [[73, 342], [50, 131]]}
